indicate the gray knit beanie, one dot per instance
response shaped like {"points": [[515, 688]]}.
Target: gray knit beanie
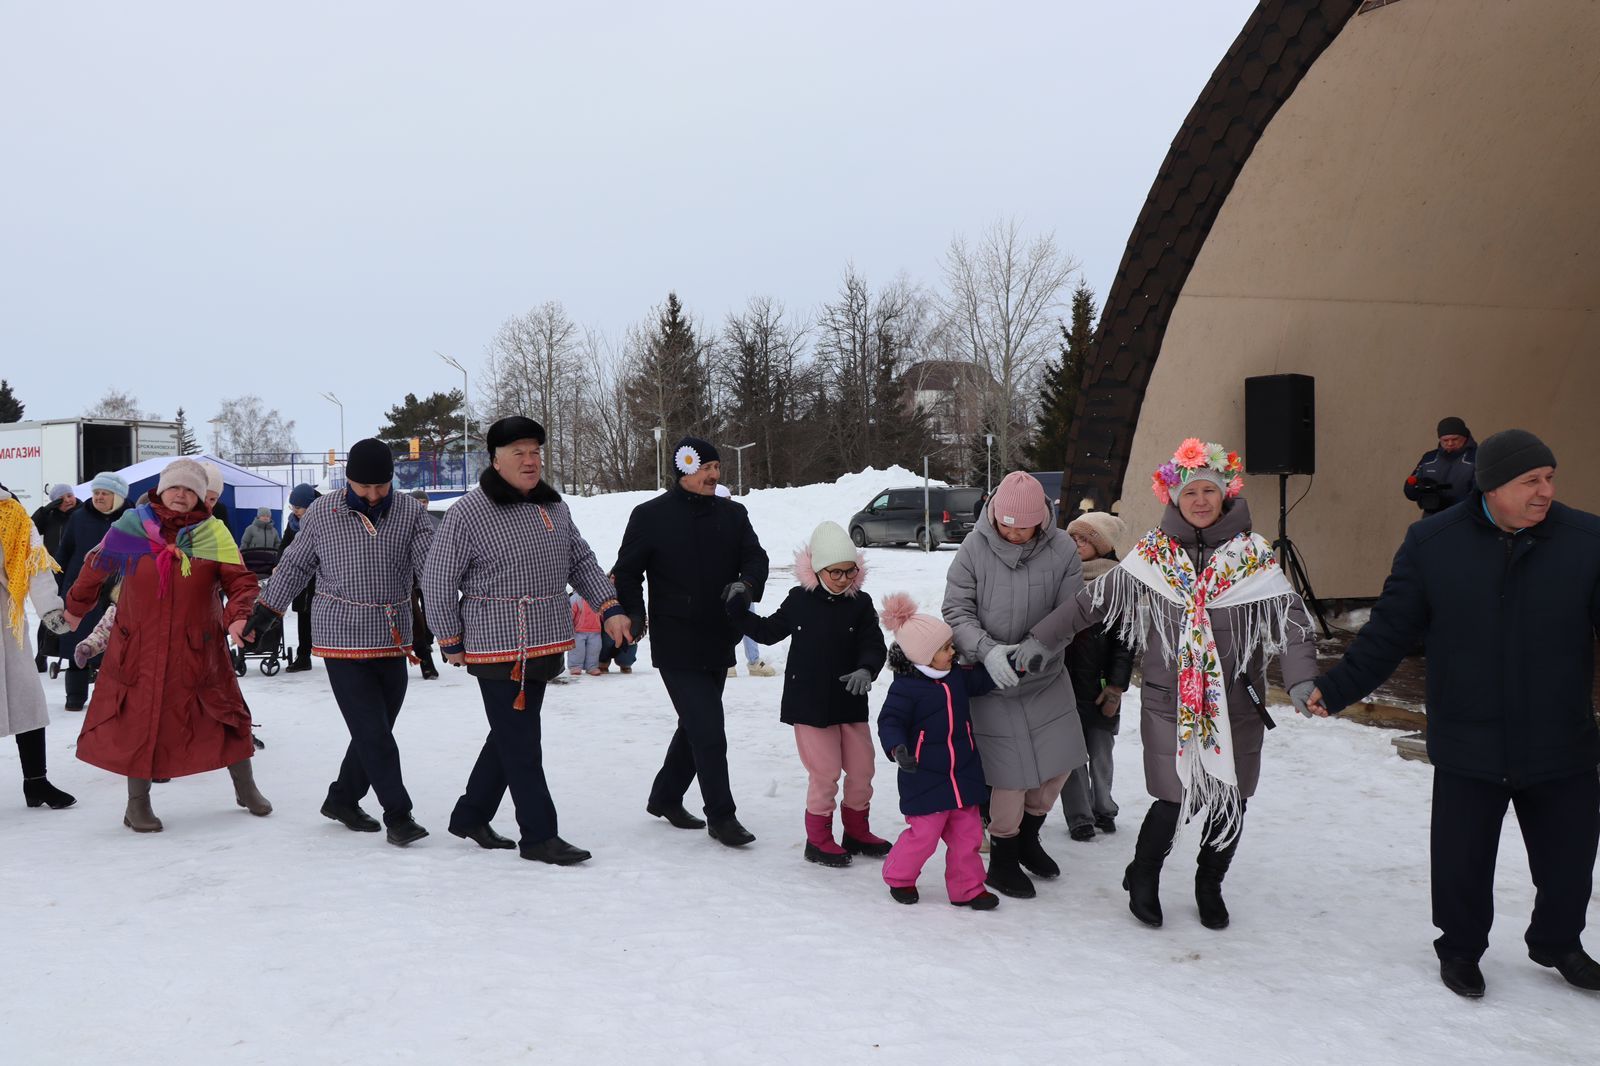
{"points": [[1508, 455]]}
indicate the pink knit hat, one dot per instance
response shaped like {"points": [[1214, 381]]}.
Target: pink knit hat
{"points": [[1019, 501], [920, 636]]}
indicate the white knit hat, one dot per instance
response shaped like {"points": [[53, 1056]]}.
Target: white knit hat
{"points": [[183, 473], [213, 477], [831, 546], [1102, 528]]}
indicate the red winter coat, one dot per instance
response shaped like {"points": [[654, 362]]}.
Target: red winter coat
{"points": [[167, 701]]}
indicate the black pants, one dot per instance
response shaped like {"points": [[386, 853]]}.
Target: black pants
{"points": [[699, 745], [76, 684], [369, 693], [1560, 823], [512, 758], [302, 620]]}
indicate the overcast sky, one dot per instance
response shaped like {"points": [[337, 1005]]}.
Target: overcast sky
{"points": [[204, 199]]}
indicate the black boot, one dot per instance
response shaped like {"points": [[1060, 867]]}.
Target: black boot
{"points": [[302, 661], [36, 788], [1143, 876], [429, 671], [402, 830], [1031, 853], [1005, 872], [1211, 868]]}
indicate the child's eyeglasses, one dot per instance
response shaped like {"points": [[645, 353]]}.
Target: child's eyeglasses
{"points": [[841, 572]]}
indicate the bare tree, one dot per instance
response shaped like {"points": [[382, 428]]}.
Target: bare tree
{"points": [[1003, 298], [118, 404], [609, 443], [247, 430], [532, 369]]}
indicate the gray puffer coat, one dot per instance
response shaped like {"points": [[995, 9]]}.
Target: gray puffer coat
{"points": [[1158, 700], [995, 593]]}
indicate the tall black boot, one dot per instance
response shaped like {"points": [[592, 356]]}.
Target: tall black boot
{"points": [[1005, 870], [1031, 853], [36, 788], [1211, 868], [1143, 877], [302, 661]]}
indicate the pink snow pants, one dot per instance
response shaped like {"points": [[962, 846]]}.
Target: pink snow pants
{"points": [[825, 752], [961, 831]]}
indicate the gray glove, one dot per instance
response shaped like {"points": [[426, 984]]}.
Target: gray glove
{"points": [[905, 759], [55, 621], [999, 669], [857, 682], [1031, 656], [1301, 694]]}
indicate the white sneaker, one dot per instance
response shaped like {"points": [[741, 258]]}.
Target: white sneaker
{"points": [[759, 668]]}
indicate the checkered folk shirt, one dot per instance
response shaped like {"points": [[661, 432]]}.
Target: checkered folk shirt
{"points": [[364, 572], [497, 578]]}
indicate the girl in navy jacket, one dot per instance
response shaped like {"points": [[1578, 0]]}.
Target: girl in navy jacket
{"points": [[925, 727]]}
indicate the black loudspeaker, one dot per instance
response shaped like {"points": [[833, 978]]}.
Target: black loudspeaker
{"points": [[1280, 424]]}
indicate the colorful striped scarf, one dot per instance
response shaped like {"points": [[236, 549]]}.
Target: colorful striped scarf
{"points": [[138, 534]]}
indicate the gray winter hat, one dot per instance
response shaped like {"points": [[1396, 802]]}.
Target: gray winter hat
{"points": [[1508, 455]]}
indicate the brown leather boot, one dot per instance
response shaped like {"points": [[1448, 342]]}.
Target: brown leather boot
{"points": [[139, 817], [245, 792]]}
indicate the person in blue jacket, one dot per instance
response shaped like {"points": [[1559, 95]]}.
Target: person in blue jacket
{"points": [[1443, 477], [1504, 588], [926, 728]]}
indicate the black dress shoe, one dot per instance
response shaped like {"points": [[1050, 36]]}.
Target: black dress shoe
{"points": [[351, 816], [484, 836], [1576, 966], [555, 851], [676, 816], [1462, 977], [404, 831], [728, 831]]}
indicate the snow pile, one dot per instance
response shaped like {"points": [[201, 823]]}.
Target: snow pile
{"points": [[232, 939]]}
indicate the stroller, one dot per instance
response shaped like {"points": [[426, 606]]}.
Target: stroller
{"points": [[269, 646]]}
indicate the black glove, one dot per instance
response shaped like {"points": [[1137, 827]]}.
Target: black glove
{"points": [[736, 599], [262, 618], [904, 759]]}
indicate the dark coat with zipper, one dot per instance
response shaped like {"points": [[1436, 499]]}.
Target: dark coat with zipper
{"points": [[931, 717], [1095, 659], [829, 636], [85, 529], [1509, 622], [691, 547]]}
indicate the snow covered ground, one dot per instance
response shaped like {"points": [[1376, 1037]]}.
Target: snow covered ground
{"points": [[232, 939]]}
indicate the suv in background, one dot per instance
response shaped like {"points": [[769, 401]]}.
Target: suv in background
{"points": [[895, 516]]}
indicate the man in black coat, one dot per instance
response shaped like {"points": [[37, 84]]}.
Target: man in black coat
{"points": [[1443, 477], [703, 559], [1505, 589]]}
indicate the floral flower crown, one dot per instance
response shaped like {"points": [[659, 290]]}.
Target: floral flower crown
{"points": [[1194, 458]]}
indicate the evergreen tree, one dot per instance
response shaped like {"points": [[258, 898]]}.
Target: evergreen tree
{"points": [[669, 386], [10, 407], [1063, 378], [187, 445], [435, 419]]}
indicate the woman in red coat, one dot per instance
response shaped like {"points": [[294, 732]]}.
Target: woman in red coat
{"points": [[167, 702]]}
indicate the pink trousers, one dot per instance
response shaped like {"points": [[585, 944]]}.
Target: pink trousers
{"points": [[825, 753], [961, 831]]}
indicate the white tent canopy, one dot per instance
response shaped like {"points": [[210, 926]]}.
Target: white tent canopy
{"points": [[250, 490]]}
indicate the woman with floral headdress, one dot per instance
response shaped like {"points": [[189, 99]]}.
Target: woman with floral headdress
{"points": [[1201, 596]]}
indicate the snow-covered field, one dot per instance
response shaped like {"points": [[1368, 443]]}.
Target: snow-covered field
{"points": [[232, 939]]}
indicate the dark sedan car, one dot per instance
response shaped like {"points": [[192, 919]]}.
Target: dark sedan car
{"points": [[902, 516]]}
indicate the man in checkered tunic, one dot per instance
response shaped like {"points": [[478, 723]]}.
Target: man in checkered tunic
{"points": [[364, 546], [495, 589], [705, 565]]}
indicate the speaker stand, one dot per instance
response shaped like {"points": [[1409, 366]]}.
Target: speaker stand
{"points": [[1289, 558]]}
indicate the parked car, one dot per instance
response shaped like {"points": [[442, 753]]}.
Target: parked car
{"points": [[895, 516]]}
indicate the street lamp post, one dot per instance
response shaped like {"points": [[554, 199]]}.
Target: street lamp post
{"points": [[738, 450], [465, 431], [657, 431], [331, 398], [216, 433], [988, 462]]}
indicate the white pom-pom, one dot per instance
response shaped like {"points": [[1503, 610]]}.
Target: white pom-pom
{"points": [[898, 609]]}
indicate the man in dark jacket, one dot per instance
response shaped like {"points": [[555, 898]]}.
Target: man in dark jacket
{"points": [[703, 560], [300, 498], [51, 521], [1505, 589], [1443, 477]]}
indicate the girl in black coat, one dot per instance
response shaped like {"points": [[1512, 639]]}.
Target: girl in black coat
{"points": [[837, 650], [1100, 666]]}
